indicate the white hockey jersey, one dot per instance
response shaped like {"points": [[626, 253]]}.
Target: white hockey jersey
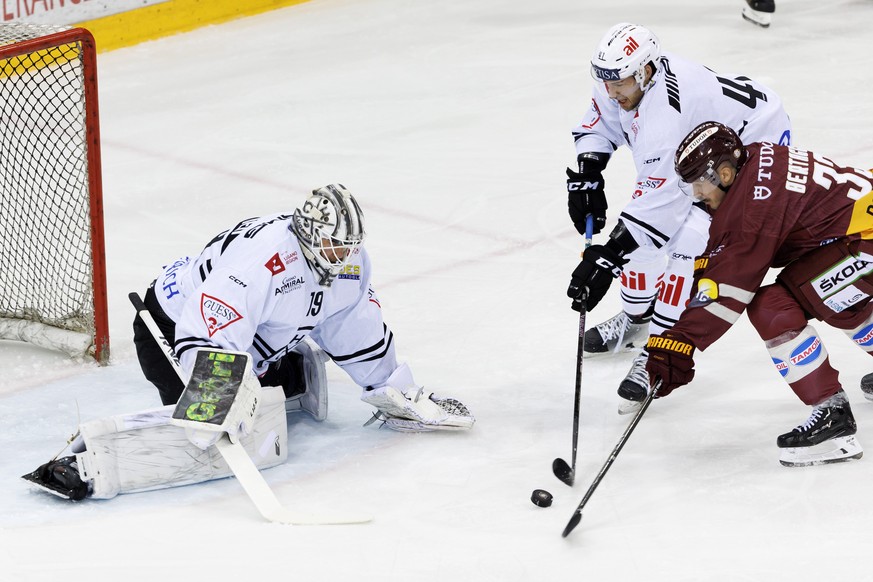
{"points": [[682, 95], [252, 290]]}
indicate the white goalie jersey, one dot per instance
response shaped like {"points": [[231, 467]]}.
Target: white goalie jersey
{"points": [[682, 95], [252, 290]]}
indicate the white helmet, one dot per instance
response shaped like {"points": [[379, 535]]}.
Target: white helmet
{"points": [[330, 227], [624, 52]]}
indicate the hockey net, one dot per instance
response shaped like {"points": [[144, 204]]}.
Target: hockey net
{"points": [[52, 266]]}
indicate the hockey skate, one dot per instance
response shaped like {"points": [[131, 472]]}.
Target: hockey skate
{"points": [[622, 333], [827, 436], [635, 386], [60, 477], [867, 386], [759, 12]]}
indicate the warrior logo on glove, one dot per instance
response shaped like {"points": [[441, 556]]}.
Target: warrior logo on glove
{"points": [[671, 358]]}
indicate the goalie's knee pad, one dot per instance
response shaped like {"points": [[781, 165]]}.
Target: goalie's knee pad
{"points": [[313, 400], [143, 451]]}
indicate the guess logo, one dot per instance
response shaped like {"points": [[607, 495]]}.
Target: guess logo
{"points": [[217, 314]]}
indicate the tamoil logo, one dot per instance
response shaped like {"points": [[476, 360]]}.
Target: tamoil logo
{"points": [[864, 337], [807, 352], [781, 366]]}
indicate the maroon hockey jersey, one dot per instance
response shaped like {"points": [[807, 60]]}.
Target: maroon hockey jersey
{"points": [[784, 203]]}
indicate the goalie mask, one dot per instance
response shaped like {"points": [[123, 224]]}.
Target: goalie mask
{"points": [[330, 227], [624, 52]]}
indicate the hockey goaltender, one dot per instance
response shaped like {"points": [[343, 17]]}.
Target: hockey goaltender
{"points": [[236, 337]]}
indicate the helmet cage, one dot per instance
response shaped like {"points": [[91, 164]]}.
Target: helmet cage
{"points": [[330, 228]]}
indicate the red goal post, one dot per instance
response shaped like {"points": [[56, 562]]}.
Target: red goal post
{"points": [[52, 257]]}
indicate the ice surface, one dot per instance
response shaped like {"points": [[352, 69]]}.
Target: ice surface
{"points": [[450, 120]]}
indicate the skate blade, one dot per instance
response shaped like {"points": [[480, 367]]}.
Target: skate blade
{"points": [[835, 450], [37, 484], [626, 349], [762, 19], [628, 406]]}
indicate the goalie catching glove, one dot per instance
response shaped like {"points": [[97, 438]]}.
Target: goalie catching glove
{"points": [[406, 407], [671, 358]]}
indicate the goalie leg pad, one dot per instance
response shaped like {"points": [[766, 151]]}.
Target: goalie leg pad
{"points": [[144, 451], [314, 399]]}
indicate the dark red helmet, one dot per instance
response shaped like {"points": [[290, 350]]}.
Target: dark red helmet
{"points": [[705, 148]]}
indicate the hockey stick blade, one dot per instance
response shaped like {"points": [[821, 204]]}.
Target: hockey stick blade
{"points": [[577, 515], [563, 471], [571, 525], [263, 498]]}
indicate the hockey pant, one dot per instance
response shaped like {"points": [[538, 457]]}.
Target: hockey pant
{"points": [[142, 451], [664, 276], [780, 313]]}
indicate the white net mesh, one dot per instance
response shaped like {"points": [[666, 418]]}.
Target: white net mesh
{"points": [[46, 262]]}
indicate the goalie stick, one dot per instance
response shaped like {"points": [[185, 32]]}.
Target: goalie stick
{"points": [[238, 459], [567, 473], [577, 515]]}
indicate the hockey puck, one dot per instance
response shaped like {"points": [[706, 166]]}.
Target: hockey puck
{"points": [[541, 498]]}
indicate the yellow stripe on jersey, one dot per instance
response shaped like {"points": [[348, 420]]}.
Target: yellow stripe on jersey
{"points": [[862, 217]]}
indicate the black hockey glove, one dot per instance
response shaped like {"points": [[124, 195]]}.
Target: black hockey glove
{"points": [[585, 192], [593, 276], [671, 358]]}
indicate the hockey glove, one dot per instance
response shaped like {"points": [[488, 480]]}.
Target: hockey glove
{"points": [[585, 192], [593, 276], [671, 358]]}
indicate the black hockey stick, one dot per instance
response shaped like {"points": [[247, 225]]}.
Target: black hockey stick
{"points": [[563, 471], [577, 515]]}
